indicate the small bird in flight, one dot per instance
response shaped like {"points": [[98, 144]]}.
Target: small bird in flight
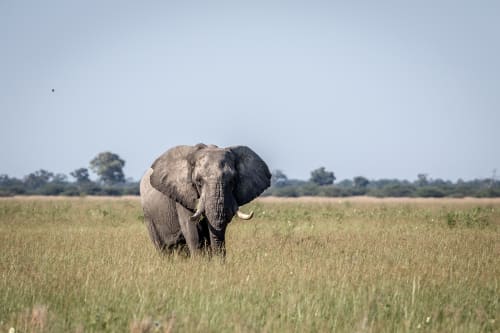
{"points": [[53, 90]]}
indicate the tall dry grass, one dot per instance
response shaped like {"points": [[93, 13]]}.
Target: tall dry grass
{"points": [[87, 265]]}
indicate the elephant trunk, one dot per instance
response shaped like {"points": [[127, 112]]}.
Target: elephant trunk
{"points": [[220, 205], [217, 241]]}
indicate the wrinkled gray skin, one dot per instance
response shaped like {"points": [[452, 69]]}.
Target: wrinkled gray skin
{"points": [[191, 193]]}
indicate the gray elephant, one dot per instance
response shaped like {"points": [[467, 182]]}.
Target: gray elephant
{"points": [[191, 193]]}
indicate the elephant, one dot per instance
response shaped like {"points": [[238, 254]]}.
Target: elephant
{"points": [[191, 193]]}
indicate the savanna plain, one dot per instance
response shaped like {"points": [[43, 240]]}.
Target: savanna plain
{"points": [[300, 265]]}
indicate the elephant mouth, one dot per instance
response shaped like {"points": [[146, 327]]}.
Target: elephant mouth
{"points": [[200, 213], [218, 205]]}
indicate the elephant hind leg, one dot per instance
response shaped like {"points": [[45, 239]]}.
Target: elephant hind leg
{"points": [[157, 240], [164, 241]]}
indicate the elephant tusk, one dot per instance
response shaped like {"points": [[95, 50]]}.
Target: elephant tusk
{"points": [[196, 216], [200, 209], [244, 216]]}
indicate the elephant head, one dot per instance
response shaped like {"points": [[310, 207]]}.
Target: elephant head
{"points": [[211, 182]]}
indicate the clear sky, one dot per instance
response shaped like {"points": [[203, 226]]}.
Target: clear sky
{"points": [[382, 89]]}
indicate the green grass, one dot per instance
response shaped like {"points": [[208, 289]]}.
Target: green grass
{"points": [[87, 265]]}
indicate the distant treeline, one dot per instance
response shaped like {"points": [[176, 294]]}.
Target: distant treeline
{"points": [[322, 183], [389, 188], [43, 182], [109, 168]]}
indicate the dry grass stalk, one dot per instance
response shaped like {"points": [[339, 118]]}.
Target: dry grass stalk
{"points": [[142, 326]]}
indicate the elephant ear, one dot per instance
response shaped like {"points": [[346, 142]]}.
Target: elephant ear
{"points": [[253, 173], [172, 175]]}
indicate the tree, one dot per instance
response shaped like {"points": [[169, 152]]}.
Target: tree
{"points": [[361, 182], [322, 177], [109, 167], [422, 179], [11, 186], [346, 183], [59, 178], [278, 178], [38, 179], [81, 175], [6, 181]]}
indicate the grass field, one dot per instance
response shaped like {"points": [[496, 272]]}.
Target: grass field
{"points": [[303, 265]]}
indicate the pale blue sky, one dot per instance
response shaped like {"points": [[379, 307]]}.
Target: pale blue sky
{"points": [[383, 89]]}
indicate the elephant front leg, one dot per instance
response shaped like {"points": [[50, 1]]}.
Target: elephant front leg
{"points": [[192, 231]]}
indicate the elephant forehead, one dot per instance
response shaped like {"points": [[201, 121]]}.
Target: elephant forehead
{"points": [[214, 162]]}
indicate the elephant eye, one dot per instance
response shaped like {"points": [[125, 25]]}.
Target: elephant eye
{"points": [[199, 182]]}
